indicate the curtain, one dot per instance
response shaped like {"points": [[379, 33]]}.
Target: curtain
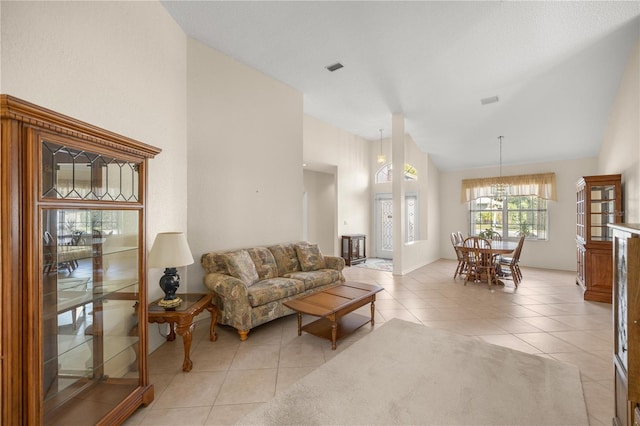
{"points": [[542, 185]]}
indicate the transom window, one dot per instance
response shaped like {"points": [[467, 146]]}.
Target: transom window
{"points": [[385, 173], [512, 217]]}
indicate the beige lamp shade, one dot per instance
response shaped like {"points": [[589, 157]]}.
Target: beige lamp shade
{"points": [[170, 250]]}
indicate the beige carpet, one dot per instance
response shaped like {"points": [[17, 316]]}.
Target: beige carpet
{"points": [[405, 373]]}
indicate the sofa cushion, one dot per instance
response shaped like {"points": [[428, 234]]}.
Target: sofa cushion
{"points": [[317, 278], [286, 258], [214, 263], [266, 291], [241, 266], [265, 263], [310, 257]]}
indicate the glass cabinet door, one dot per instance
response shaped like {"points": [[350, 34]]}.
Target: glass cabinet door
{"points": [[90, 299], [580, 212], [603, 212], [90, 282]]}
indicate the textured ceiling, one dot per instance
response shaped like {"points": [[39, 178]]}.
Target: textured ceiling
{"points": [[555, 67]]}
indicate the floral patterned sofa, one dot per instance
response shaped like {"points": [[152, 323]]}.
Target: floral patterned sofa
{"points": [[250, 285]]}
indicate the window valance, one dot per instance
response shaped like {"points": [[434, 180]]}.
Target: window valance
{"points": [[542, 185]]}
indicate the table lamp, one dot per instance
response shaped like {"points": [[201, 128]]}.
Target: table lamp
{"points": [[170, 251]]}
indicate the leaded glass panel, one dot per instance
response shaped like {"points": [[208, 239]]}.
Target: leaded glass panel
{"points": [[70, 173]]}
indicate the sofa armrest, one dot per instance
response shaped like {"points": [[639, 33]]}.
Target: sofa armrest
{"points": [[334, 262], [227, 287]]}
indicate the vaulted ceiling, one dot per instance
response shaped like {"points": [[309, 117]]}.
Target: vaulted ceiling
{"points": [[554, 66]]}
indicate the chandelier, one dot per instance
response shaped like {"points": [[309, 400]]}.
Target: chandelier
{"points": [[500, 190], [381, 157]]}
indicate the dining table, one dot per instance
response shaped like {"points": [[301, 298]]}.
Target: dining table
{"points": [[496, 248]]}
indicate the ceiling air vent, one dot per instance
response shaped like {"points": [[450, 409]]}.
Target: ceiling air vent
{"points": [[334, 67], [490, 100]]}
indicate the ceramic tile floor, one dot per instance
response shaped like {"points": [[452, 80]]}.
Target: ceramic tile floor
{"points": [[545, 316]]}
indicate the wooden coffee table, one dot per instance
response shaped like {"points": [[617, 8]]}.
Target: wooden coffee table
{"points": [[332, 306]]}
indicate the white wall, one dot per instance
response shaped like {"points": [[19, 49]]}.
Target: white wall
{"points": [[320, 188], [620, 150], [116, 65], [378, 188], [427, 248], [559, 252], [245, 157], [328, 148]]}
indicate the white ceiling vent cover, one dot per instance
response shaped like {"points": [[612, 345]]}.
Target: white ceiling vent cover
{"points": [[490, 100]]}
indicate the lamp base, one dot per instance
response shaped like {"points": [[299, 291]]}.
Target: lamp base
{"points": [[170, 303]]}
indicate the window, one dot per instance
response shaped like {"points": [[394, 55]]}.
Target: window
{"points": [[523, 212], [411, 219], [385, 173], [87, 221], [512, 217]]}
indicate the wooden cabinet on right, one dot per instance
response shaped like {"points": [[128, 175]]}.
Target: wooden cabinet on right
{"points": [[626, 323], [598, 203]]}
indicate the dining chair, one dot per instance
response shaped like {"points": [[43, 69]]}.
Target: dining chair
{"points": [[495, 236], [481, 263], [513, 263], [462, 265], [51, 263], [469, 246], [76, 236], [48, 263]]}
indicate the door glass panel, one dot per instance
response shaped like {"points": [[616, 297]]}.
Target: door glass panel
{"points": [[90, 291], [607, 192], [113, 178], [70, 173], [386, 219], [411, 212]]}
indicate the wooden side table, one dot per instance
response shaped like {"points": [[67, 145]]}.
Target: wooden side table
{"points": [[180, 320]]}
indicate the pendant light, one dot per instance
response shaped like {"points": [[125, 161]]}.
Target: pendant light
{"points": [[500, 190], [381, 157]]}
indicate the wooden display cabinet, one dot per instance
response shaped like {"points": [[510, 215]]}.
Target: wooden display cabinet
{"points": [[598, 203], [74, 342], [353, 249], [626, 323]]}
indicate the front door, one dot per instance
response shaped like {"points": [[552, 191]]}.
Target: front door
{"points": [[384, 226]]}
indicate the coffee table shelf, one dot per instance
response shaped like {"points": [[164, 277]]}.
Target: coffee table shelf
{"points": [[345, 326]]}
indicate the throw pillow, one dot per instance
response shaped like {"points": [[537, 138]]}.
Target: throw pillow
{"points": [[241, 266], [286, 258], [310, 257], [266, 266]]}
